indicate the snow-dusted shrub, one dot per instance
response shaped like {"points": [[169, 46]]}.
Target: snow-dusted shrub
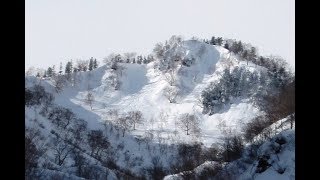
{"points": [[263, 164], [156, 171], [255, 127], [189, 156], [280, 105], [209, 171]]}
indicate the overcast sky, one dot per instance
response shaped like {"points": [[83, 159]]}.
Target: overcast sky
{"points": [[60, 30]]}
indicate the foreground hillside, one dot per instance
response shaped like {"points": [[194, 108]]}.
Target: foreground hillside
{"points": [[136, 121]]}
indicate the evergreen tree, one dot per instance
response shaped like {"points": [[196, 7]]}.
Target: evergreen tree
{"points": [[75, 70], [50, 72], [95, 64], [91, 64], [60, 68], [236, 47], [219, 41], [213, 41], [252, 54], [240, 47], [54, 71], [145, 60], [68, 69], [45, 74], [262, 61], [226, 45]]}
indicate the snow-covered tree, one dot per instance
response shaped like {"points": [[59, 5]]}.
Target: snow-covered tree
{"points": [[31, 71], [170, 77], [112, 60]]}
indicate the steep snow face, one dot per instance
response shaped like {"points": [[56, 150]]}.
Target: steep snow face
{"points": [[142, 89], [205, 59]]}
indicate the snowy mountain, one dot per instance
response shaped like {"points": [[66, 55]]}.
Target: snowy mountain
{"points": [[139, 121]]}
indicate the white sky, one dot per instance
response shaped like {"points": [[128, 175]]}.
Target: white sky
{"points": [[60, 30]]}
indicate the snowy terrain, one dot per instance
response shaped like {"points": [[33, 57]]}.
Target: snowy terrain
{"points": [[142, 89]]}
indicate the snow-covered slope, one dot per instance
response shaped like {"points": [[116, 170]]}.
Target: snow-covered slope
{"points": [[142, 89]]}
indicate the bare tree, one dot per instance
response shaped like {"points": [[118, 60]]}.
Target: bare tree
{"points": [[113, 114], [151, 121], [171, 77], [78, 131], [82, 65], [61, 151], [124, 124], [135, 117], [33, 151], [163, 116], [89, 99], [171, 93], [188, 122], [98, 142]]}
